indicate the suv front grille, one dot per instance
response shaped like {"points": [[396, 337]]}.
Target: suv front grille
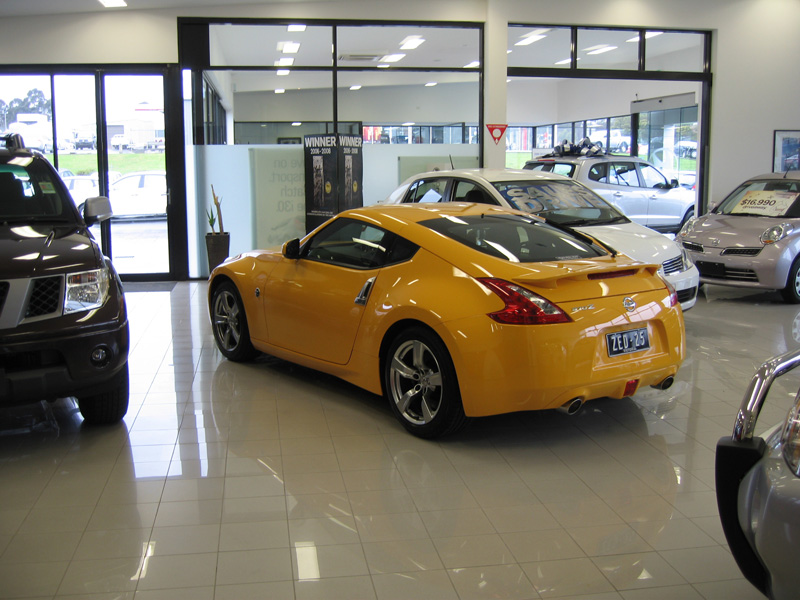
{"points": [[45, 297], [673, 265]]}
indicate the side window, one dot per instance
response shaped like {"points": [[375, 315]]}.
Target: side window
{"points": [[652, 177], [466, 191], [350, 243], [599, 173], [427, 190], [623, 173]]}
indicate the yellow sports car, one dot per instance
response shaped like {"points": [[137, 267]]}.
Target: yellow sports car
{"points": [[453, 311]]}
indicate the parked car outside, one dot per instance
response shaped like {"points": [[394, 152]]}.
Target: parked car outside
{"points": [[81, 187], [758, 488], [63, 321], [139, 195], [119, 142], [453, 311], [752, 238], [562, 202], [633, 185]]}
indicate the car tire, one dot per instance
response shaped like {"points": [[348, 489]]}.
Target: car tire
{"points": [[421, 385], [791, 293], [689, 215], [229, 324], [110, 406]]}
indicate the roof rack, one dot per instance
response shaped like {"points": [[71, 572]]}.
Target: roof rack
{"points": [[12, 141]]}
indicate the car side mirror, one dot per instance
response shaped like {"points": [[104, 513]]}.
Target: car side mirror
{"points": [[291, 249], [97, 210], [674, 183]]}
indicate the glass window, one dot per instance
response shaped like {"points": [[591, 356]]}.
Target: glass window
{"points": [[427, 190], [544, 136], [270, 45], [674, 51], [597, 131], [350, 243], [623, 173], [564, 133], [513, 238], [608, 49], [652, 177], [533, 46], [407, 46], [599, 173], [466, 191]]}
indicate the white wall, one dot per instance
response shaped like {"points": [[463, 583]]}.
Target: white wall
{"points": [[755, 87]]}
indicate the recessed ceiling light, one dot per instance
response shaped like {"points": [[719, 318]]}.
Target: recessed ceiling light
{"points": [[473, 64], [412, 42], [288, 47], [430, 84], [383, 66], [391, 58], [296, 28], [647, 36], [113, 3], [286, 61], [603, 50], [355, 87], [280, 91], [408, 123], [566, 61], [296, 124], [282, 72]]}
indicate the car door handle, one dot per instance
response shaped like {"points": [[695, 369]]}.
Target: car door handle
{"points": [[361, 299]]}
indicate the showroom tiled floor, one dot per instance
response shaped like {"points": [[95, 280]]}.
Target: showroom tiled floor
{"points": [[269, 481]]}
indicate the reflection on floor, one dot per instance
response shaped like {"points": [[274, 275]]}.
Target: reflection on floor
{"points": [[266, 480]]}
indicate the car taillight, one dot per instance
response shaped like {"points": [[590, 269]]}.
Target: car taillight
{"points": [[790, 440], [522, 307]]}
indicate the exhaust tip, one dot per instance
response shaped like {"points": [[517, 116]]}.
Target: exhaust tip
{"points": [[666, 384], [571, 407]]}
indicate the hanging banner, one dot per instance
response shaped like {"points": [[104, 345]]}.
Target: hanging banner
{"points": [[496, 130]]}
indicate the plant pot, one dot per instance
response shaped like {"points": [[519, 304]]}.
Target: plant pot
{"points": [[217, 247]]}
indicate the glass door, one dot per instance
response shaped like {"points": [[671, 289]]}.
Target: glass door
{"points": [[136, 174]]}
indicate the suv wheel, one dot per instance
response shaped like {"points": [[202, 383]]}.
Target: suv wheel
{"points": [[107, 407]]}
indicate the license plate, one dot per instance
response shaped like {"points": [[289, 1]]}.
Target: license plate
{"points": [[625, 342]]}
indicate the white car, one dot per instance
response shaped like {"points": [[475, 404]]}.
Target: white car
{"points": [[141, 194], [562, 202]]}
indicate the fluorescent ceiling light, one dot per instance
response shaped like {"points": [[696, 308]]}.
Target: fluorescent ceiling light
{"points": [[296, 124], [391, 58], [282, 72], [532, 36], [566, 61], [647, 36], [296, 28], [355, 87], [288, 47], [473, 64], [280, 91], [412, 42], [287, 61], [113, 3], [603, 50], [408, 123], [430, 84], [383, 66]]}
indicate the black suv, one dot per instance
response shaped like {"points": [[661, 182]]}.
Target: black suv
{"points": [[63, 320]]}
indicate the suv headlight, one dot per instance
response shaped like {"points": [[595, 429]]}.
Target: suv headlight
{"points": [[86, 290], [776, 233], [790, 440]]}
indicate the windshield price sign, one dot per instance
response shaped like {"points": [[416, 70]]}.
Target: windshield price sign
{"points": [[770, 204]]}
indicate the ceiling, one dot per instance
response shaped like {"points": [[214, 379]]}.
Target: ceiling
{"points": [[23, 8]]}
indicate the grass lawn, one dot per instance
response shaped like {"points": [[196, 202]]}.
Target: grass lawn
{"points": [[122, 162]]}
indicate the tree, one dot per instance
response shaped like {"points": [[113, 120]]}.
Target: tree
{"points": [[34, 102]]}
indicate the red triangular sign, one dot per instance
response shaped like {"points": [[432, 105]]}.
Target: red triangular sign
{"points": [[496, 130]]}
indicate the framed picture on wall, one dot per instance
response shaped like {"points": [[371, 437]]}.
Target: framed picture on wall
{"points": [[786, 151]]}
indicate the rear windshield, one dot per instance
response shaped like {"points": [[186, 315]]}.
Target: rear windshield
{"points": [[560, 202], [764, 198], [552, 167], [29, 193], [514, 238]]}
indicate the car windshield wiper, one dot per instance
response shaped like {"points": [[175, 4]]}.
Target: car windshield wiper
{"points": [[611, 221]]}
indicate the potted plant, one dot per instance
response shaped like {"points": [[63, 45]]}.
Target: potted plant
{"points": [[217, 242]]}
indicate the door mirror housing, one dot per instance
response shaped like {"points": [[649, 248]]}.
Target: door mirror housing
{"points": [[291, 249], [674, 183]]}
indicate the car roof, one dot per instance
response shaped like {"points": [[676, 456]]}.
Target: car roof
{"points": [[486, 175], [579, 159], [794, 175], [392, 215]]}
